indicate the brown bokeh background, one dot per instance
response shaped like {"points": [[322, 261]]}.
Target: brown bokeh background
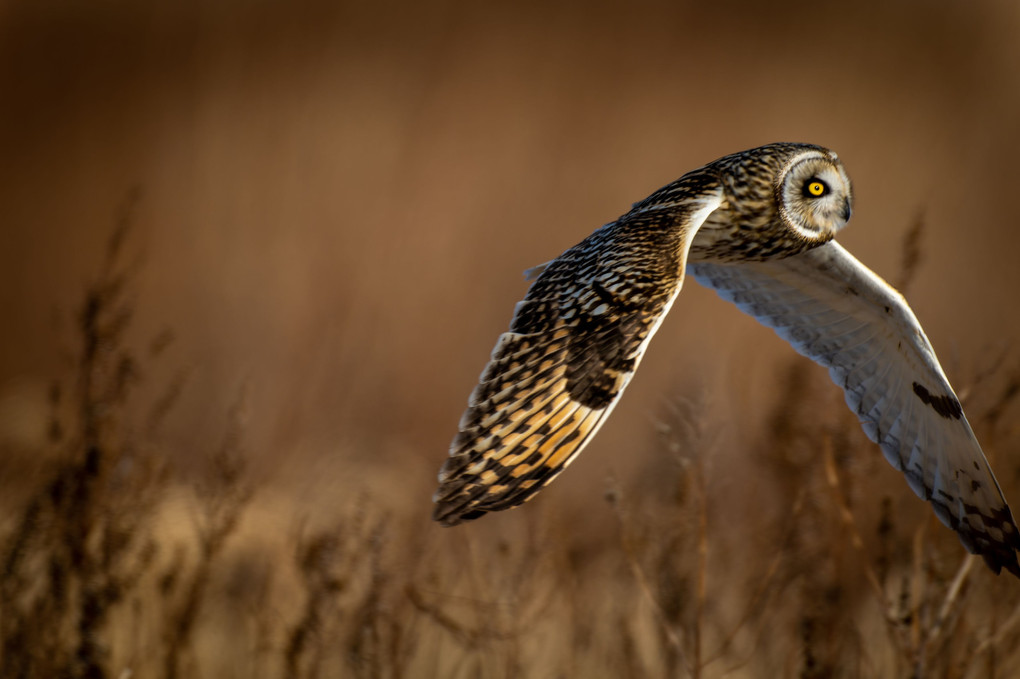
{"points": [[337, 199]]}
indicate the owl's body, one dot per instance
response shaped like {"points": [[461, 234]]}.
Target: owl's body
{"points": [[757, 226]]}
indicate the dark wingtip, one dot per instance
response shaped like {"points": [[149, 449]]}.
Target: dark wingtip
{"points": [[446, 514], [998, 554], [999, 559], [1005, 553], [442, 516], [449, 514], [446, 510], [456, 499]]}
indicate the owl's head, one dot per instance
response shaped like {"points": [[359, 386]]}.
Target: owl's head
{"points": [[814, 194]]}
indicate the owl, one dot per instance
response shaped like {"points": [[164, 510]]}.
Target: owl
{"points": [[758, 227]]}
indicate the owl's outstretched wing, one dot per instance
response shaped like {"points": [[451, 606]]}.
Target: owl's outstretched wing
{"points": [[834, 310], [574, 344]]}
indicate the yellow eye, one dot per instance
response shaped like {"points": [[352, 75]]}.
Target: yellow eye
{"points": [[816, 188]]}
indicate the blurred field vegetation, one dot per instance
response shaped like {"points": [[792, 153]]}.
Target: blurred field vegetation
{"points": [[255, 254]]}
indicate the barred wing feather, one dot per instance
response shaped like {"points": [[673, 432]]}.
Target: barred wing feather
{"points": [[573, 345]]}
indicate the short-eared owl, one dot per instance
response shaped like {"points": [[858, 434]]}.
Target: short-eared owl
{"points": [[757, 227]]}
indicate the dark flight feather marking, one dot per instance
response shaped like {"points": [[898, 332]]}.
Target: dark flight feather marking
{"points": [[946, 406]]}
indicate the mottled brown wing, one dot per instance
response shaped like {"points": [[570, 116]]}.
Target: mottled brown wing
{"points": [[574, 344]]}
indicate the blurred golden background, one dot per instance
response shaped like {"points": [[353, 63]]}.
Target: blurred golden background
{"points": [[337, 200]]}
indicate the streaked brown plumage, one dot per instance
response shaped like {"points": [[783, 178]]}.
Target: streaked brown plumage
{"points": [[574, 343], [756, 226]]}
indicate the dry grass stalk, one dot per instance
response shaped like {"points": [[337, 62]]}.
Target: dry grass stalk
{"points": [[223, 498], [84, 526]]}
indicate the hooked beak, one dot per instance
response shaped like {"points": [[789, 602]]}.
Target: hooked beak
{"points": [[847, 211]]}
